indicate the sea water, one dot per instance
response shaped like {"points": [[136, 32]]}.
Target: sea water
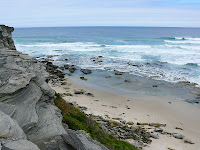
{"points": [[168, 54]]}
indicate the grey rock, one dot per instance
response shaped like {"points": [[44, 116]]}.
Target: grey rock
{"points": [[123, 121], [83, 78], [177, 135], [56, 143], [8, 109], [9, 128], [81, 141], [65, 126], [19, 145], [158, 130], [48, 125], [6, 37], [154, 136], [83, 108], [188, 141], [72, 68], [89, 94], [79, 92], [86, 71]]}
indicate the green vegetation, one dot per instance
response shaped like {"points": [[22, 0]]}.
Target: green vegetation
{"points": [[79, 121]]}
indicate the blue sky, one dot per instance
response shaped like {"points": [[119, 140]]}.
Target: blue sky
{"points": [[45, 13]]}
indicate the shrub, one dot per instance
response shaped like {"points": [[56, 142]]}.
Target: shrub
{"points": [[77, 120]]}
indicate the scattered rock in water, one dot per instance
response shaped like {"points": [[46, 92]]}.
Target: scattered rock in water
{"points": [[107, 68], [66, 59], [160, 130], [49, 56], [50, 66], [188, 141], [53, 69], [96, 100], [100, 56], [118, 73], [89, 94], [86, 71], [128, 81], [193, 101], [107, 76], [72, 68], [59, 59], [57, 50], [170, 102], [155, 85], [62, 68], [83, 78], [187, 83], [135, 65], [66, 66], [177, 135]]}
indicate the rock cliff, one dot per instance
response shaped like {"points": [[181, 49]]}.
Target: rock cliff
{"points": [[29, 120]]}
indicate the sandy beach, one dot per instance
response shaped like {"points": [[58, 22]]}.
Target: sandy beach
{"points": [[180, 117]]}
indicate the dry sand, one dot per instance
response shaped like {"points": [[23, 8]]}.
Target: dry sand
{"points": [[145, 109]]}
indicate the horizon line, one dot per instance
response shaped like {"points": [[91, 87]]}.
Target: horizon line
{"points": [[106, 26]]}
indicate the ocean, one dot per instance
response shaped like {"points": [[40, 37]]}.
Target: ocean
{"points": [[168, 54]]}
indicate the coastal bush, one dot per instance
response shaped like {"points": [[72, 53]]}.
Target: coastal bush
{"points": [[77, 120]]}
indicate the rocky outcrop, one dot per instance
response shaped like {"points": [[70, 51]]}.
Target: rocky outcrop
{"points": [[6, 40], [29, 120]]}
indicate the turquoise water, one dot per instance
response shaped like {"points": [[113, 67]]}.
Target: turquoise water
{"points": [[169, 54]]}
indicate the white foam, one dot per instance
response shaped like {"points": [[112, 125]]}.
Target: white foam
{"points": [[188, 47], [184, 42], [179, 38], [77, 46], [175, 53], [193, 39]]}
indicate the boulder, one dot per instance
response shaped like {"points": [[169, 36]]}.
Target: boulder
{"points": [[9, 128], [19, 145], [72, 68], [80, 140], [177, 135], [86, 71], [158, 130]]}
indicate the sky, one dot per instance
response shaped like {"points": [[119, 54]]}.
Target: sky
{"points": [[55, 13]]}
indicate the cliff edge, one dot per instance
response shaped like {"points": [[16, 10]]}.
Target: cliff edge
{"points": [[29, 120]]}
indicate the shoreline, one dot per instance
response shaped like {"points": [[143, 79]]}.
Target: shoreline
{"points": [[146, 109]]}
